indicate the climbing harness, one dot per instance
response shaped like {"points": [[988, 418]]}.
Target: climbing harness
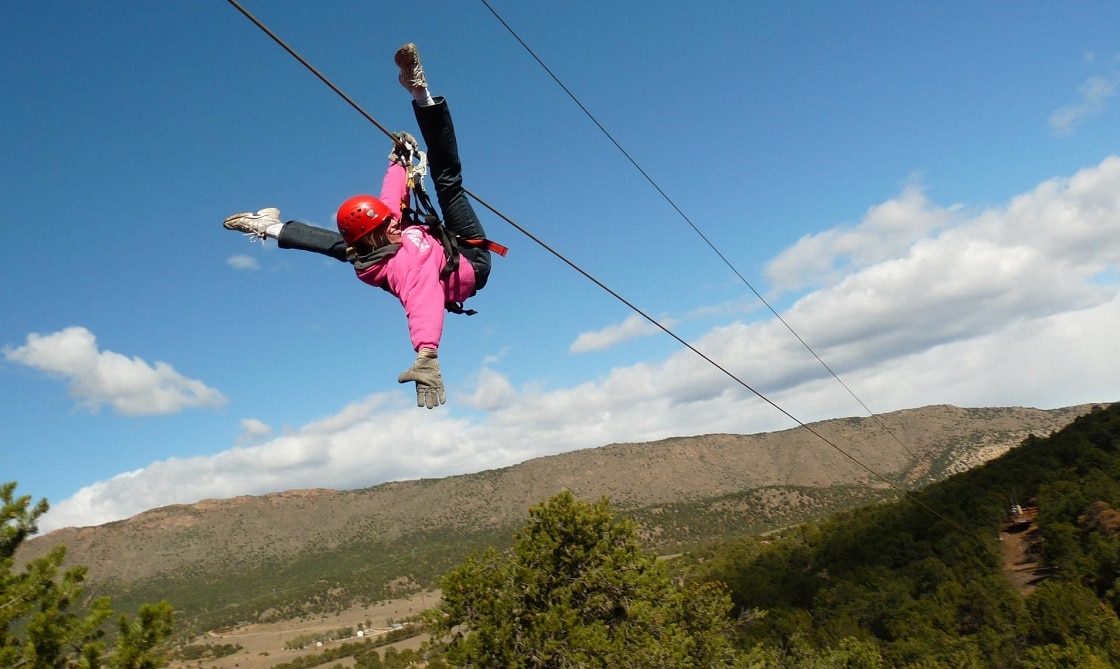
{"points": [[424, 214]]}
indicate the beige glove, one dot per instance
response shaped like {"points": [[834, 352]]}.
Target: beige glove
{"points": [[429, 382]]}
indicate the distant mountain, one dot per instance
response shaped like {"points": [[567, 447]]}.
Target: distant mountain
{"points": [[296, 552]]}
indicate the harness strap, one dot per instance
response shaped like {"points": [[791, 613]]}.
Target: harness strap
{"points": [[425, 214], [450, 245], [449, 241], [488, 244], [457, 308]]}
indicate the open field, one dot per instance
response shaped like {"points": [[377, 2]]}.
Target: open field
{"points": [[263, 644]]}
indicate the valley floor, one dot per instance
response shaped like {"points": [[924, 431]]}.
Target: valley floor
{"points": [[263, 644]]}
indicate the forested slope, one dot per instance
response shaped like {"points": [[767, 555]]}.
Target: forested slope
{"points": [[923, 578]]}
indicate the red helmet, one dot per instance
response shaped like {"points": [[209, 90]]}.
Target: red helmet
{"points": [[360, 215]]}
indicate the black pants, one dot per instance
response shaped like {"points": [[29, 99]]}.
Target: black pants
{"points": [[446, 172], [447, 177], [304, 237]]}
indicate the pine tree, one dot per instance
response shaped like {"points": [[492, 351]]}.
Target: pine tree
{"points": [[577, 590], [42, 625]]}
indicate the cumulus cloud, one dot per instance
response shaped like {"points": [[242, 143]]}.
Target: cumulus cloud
{"points": [[242, 261], [634, 327], [1015, 305], [886, 230], [377, 439], [492, 391], [131, 386], [1043, 254], [1094, 94]]}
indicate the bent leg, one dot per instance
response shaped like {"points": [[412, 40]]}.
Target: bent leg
{"points": [[304, 237], [447, 176]]}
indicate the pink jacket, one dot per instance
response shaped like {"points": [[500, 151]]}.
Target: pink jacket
{"points": [[412, 273]]}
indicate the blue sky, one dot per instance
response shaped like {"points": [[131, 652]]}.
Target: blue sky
{"points": [[929, 194]]}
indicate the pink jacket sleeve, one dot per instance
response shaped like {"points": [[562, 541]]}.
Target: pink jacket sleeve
{"points": [[414, 279], [394, 189]]}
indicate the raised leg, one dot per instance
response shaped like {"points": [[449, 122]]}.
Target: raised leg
{"points": [[446, 172]]}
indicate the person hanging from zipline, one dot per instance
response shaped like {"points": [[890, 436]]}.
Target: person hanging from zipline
{"points": [[393, 246]]}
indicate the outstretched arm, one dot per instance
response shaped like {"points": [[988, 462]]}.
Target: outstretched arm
{"points": [[394, 189], [422, 297]]}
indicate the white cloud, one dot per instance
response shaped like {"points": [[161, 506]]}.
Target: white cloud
{"points": [[1016, 305], [885, 231], [130, 386], [1094, 96], [253, 430], [633, 327], [492, 391], [241, 261]]}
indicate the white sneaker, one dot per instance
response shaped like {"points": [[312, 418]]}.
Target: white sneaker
{"points": [[253, 225], [407, 59]]}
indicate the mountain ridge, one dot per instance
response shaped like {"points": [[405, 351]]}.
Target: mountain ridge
{"points": [[675, 487]]}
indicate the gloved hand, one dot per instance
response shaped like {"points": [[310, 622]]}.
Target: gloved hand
{"points": [[403, 148], [429, 382]]}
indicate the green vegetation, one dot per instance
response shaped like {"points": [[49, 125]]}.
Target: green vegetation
{"points": [[366, 657], [398, 633], [670, 527], [41, 625], [207, 651], [325, 582], [576, 590], [257, 560], [309, 640], [920, 581], [316, 583], [917, 583]]}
